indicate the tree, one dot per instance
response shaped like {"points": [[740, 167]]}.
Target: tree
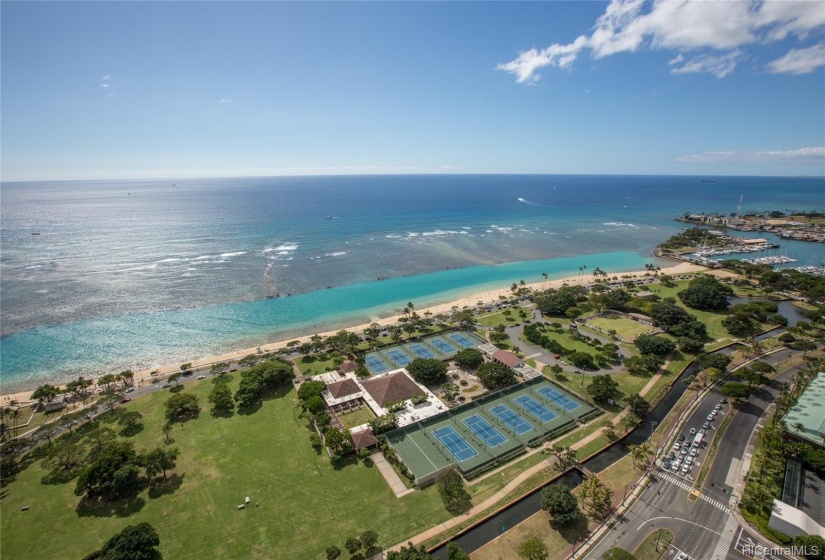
{"points": [[469, 358], [184, 368], [45, 393], [135, 542], [430, 372], [454, 552], [752, 377], [221, 399], [337, 440], [690, 345], [159, 460], [533, 549], [176, 377], [182, 407], [66, 457], [167, 433], [715, 360], [100, 437], [582, 360], [496, 376], [561, 504], [565, 457], [650, 344], [369, 540], [638, 405], [353, 545], [741, 325], [814, 544], [736, 391], [602, 388], [48, 431], [409, 552], [596, 494], [455, 497], [112, 474], [707, 293], [126, 376], [130, 423], [333, 552], [804, 345]]}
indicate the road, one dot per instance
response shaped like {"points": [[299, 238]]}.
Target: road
{"points": [[704, 528]]}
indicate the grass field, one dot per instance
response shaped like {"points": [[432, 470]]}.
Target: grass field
{"points": [[357, 417], [626, 328], [501, 318], [315, 364], [654, 545], [306, 504]]}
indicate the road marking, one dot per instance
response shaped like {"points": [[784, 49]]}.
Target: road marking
{"points": [[733, 473], [677, 519], [722, 547], [685, 486]]}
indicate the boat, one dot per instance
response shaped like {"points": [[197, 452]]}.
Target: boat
{"points": [[330, 218], [36, 233], [708, 180]]}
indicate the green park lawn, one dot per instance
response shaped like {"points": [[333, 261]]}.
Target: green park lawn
{"points": [[356, 417], [315, 364], [626, 328], [501, 318], [306, 504]]}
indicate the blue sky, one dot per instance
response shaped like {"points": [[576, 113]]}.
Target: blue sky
{"points": [[117, 90]]}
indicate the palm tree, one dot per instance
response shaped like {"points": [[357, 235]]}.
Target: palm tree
{"points": [[543, 280]]}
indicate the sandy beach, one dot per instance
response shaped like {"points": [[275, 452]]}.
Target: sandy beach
{"points": [[471, 300]]}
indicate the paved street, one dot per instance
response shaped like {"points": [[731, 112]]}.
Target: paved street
{"points": [[703, 529]]}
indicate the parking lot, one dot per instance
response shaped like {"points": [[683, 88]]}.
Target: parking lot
{"points": [[690, 448]]}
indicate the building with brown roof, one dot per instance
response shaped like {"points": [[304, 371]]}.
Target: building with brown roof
{"points": [[362, 439], [507, 358], [347, 367], [343, 388], [393, 387]]}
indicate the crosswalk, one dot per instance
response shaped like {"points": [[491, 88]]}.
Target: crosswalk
{"points": [[722, 547], [685, 486]]}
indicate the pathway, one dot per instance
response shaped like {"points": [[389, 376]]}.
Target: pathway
{"points": [[389, 474]]}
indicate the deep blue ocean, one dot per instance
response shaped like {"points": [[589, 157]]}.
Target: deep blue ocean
{"points": [[134, 274]]}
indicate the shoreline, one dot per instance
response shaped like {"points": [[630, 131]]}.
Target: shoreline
{"points": [[469, 300]]}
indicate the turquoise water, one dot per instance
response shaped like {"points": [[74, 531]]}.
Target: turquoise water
{"points": [[145, 340], [134, 274]]}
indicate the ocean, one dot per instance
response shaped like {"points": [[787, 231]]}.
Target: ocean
{"points": [[101, 276]]}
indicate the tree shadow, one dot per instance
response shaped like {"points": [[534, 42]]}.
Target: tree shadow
{"points": [[124, 507], [111, 416], [133, 430], [572, 532], [250, 409], [162, 487], [223, 413], [345, 461], [176, 389], [60, 476]]}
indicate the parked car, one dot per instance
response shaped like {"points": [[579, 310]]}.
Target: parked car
{"points": [[677, 446], [201, 376], [718, 406], [694, 452], [125, 400], [129, 389], [666, 464], [681, 437], [710, 417], [703, 432], [685, 469], [706, 425], [692, 431], [234, 369], [671, 455]]}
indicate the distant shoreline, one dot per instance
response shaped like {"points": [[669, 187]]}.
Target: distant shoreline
{"points": [[488, 296]]}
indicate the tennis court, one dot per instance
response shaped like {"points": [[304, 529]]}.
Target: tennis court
{"points": [[420, 351], [462, 340], [535, 408], [454, 443], [558, 398], [484, 430], [376, 364], [518, 424], [442, 346], [398, 357]]}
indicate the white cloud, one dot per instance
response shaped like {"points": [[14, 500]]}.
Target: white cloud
{"points": [[719, 66], [105, 78], [225, 100], [718, 27], [104, 86], [814, 154], [801, 61]]}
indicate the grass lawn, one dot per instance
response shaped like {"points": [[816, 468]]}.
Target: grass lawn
{"points": [[626, 328], [315, 364], [264, 455], [357, 417], [501, 318], [654, 545], [556, 538]]}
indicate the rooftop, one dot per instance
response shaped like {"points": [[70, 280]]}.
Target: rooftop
{"points": [[364, 438], [343, 388], [806, 420], [506, 358], [392, 387]]}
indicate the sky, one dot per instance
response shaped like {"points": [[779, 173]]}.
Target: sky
{"points": [[138, 90]]}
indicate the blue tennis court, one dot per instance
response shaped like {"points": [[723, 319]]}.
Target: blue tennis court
{"points": [[376, 364], [421, 351], [552, 395], [462, 340], [456, 444], [398, 357], [535, 408], [442, 346], [516, 422], [484, 430]]}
